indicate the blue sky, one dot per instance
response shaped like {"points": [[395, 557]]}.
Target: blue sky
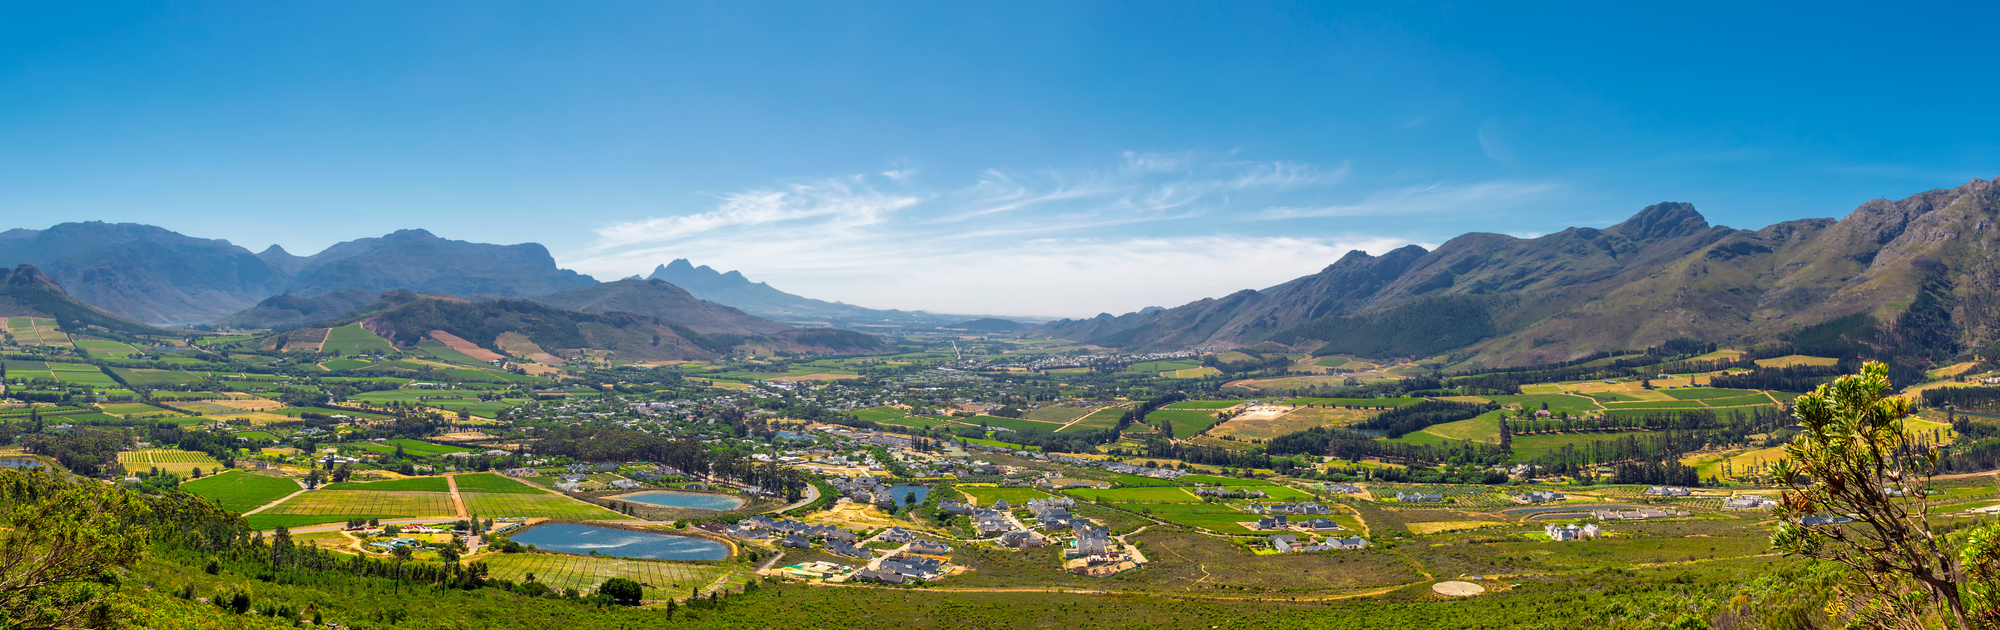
{"points": [[1017, 158]]}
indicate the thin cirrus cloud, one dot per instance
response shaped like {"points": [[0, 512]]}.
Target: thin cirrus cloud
{"points": [[1431, 198], [1149, 229]]}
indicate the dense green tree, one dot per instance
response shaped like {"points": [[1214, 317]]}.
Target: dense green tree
{"points": [[59, 545]]}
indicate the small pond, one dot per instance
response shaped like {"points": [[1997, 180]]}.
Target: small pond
{"points": [[902, 492], [20, 463], [583, 539], [691, 500]]}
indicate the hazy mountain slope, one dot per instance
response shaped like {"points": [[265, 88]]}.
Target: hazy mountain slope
{"points": [[669, 303], [1664, 274], [27, 292], [291, 311], [418, 261], [732, 289], [405, 318], [145, 273]]}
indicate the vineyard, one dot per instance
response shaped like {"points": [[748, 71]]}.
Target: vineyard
{"points": [[177, 462], [584, 573], [540, 504], [341, 504]]}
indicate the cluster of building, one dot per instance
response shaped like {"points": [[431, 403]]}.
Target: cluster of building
{"points": [[1561, 533], [1541, 496], [903, 568], [1283, 522], [1749, 502], [1290, 543], [1303, 507], [1418, 497], [795, 535], [1640, 514], [865, 489], [1669, 491]]}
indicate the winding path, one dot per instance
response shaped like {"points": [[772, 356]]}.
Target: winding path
{"points": [[288, 497]]}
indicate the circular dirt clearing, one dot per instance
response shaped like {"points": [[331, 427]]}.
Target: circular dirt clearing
{"points": [[1457, 589]]}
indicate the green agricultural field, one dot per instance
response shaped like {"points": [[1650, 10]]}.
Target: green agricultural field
{"points": [[914, 422], [1100, 419], [1001, 444], [426, 448], [239, 491], [353, 339], [173, 461], [560, 571], [1213, 517], [1528, 447], [538, 505], [1738, 401], [1186, 423], [1483, 428], [1703, 393], [446, 354], [1017, 424], [413, 484], [137, 409], [338, 365], [1161, 366], [72, 367], [1015, 496], [1605, 397], [339, 505], [141, 377], [1332, 362], [1136, 495], [1656, 404], [92, 378], [100, 349], [1557, 402], [1214, 480], [268, 520], [492, 483], [1205, 404], [1057, 414]]}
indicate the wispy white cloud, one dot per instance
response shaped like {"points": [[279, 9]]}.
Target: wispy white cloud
{"points": [[1144, 229], [1431, 198]]}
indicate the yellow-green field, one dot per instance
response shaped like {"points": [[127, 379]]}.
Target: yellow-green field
{"points": [[366, 503], [1796, 359], [538, 505], [176, 462]]}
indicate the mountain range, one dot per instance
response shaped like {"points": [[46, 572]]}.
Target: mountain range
{"points": [[149, 274], [734, 289], [1917, 268], [530, 328]]}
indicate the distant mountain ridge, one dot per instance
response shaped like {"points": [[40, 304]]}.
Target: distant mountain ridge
{"points": [[151, 274], [659, 299], [733, 289], [406, 318], [1663, 274]]}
